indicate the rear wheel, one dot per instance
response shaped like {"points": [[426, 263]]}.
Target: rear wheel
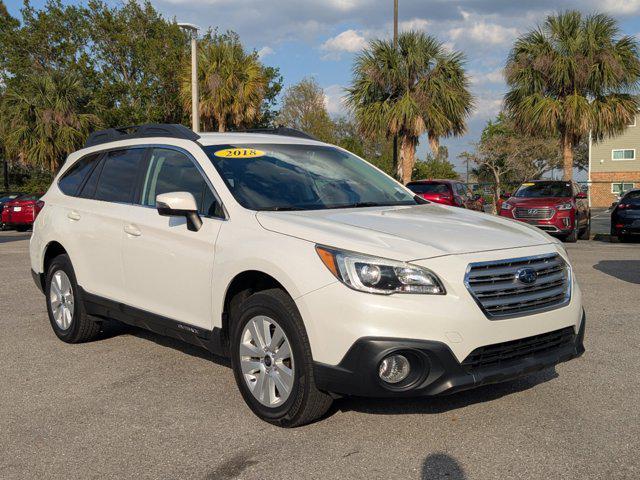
{"points": [[272, 361], [67, 315], [22, 228]]}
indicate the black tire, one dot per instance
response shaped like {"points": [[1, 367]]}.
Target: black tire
{"points": [[586, 233], [21, 228], [82, 328], [572, 237], [305, 402]]}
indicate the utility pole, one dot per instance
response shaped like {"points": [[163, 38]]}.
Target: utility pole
{"points": [[195, 111], [395, 46]]}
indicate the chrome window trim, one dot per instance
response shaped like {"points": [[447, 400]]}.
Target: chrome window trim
{"points": [[490, 316], [168, 147]]}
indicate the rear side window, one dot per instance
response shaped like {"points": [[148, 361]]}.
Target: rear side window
{"points": [[172, 171], [73, 178], [119, 175], [632, 197]]}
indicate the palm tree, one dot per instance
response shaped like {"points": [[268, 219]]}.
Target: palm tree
{"points": [[232, 83], [415, 89], [45, 119], [573, 75]]}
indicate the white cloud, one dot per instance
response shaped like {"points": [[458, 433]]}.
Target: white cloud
{"points": [[618, 7], [265, 52], [481, 32], [490, 77], [350, 41], [419, 24], [488, 104], [334, 100]]}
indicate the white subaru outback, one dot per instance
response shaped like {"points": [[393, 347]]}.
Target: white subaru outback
{"points": [[319, 275]]}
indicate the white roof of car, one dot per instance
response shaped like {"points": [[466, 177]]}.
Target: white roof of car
{"points": [[238, 137]]}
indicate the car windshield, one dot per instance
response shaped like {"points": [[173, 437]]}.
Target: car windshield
{"points": [[422, 188], [544, 189], [303, 177]]}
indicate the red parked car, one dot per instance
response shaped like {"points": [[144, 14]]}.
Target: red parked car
{"points": [[21, 212], [446, 192], [559, 208]]}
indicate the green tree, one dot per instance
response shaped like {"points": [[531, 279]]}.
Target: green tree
{"points": [[137, 56], [233, 84], [573, 75], [378, 151], [434, 167], [303, 108], [417, 88], [45, 119]]}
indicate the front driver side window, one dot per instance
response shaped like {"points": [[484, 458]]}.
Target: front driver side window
{"points": [[172, 171]]}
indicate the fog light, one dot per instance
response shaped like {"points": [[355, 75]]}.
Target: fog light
{"points": [[394, 368]]}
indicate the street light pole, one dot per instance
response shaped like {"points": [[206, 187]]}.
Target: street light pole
{"points": [[195, 111], [395, 46]]}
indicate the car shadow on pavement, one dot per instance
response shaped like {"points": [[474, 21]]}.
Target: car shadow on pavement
{"points": [[14, 238], [625, 270], [436, 405], [114, 328], [441, 465]]}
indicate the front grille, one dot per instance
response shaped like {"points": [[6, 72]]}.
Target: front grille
{"points": [[499, 354], [539, 213], [500, 290]]}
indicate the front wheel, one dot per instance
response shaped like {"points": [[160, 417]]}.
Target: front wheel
{"points": [[586, 233], [573, 236], [272, 361]]}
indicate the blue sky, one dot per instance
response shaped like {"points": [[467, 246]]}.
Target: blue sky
{"points": [[320, 37]]}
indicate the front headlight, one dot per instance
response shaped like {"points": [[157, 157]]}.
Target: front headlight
{"points": [[506, 206], [379, 275], [565, 206]]}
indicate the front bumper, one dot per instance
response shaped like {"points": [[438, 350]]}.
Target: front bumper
{"points": [[439, 372]]}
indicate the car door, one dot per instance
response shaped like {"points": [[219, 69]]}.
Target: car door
{"points": [[93, 219], [582, 206], [168, 268]]}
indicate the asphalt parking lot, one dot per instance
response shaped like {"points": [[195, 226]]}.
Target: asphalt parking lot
{"points": [[134, 404]]}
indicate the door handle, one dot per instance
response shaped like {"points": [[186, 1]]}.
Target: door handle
{"points": [[73, 215], [132, 230]]}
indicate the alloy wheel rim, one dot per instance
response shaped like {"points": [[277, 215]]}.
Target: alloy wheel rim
{"points": [[61, 299], [266, 361]]}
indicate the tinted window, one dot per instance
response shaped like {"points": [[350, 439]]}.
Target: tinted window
{"points": [[544, 189], [119, 173], [172, 171], [440, 188], [89, 188], [74, 177], [632, 197], [303, 177], [8, 198]]}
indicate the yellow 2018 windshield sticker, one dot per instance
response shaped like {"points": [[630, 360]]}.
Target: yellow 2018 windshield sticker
{"points": [[239, 153]]}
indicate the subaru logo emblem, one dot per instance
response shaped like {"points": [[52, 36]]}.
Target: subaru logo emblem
{"points": [[526, 276]]}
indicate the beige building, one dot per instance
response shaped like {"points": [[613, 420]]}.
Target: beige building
{"points": [[614, 166]]}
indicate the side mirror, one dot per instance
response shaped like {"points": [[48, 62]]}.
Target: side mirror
{"points": [[180, 204], [581, 196]]}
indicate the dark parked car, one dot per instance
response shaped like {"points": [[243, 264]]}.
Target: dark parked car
{"points": [[447, 192], [625, 217], [4, 198], [21, 212], [559, 208]]}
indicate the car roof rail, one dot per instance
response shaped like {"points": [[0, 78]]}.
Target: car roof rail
{"points": [[284, 131], [172, 130]]}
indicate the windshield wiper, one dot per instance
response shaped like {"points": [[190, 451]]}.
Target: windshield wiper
{"points": [[281, 209]]}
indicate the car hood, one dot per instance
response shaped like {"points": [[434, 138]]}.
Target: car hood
{"points": [[406, 232], [538, 202]]}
